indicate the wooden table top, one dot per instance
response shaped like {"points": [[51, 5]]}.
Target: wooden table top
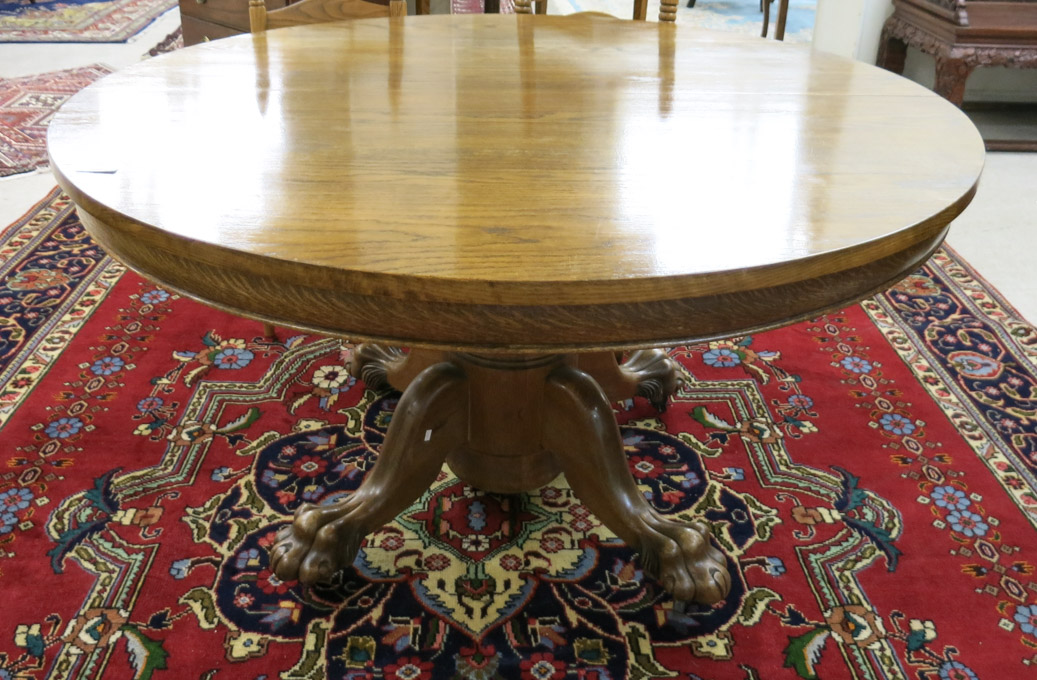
{"points": [[529, 182]]}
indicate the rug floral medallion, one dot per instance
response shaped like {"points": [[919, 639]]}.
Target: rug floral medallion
{"points": [[869, 476]]}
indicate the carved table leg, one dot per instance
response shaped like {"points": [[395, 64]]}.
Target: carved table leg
{"points": [[581, 431], [381, 366], [508, 424], [429, 423], [649, 373]]}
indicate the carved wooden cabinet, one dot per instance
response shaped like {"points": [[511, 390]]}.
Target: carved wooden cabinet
{"points": [[211, 19], [961, 35]]}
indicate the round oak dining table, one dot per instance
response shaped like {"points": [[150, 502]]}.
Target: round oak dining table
{"points": [[512, 215]]}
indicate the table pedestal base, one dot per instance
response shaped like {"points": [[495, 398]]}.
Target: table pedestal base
{"points": [[507, 425]]}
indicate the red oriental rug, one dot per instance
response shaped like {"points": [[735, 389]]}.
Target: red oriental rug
{"points": [[870, 476], [26, 107]]}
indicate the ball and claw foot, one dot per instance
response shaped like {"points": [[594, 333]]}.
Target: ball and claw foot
{"points": [[321, 540], [682, 559], [581, 431]]}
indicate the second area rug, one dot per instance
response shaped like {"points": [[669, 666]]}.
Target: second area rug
{"points": [[77, 20], [26, 107]]}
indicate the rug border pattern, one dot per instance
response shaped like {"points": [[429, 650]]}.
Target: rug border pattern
{"points": [[39, 353], [955, 404]]}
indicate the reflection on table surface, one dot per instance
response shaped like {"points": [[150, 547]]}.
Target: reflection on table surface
{"points": [[454, 148]]}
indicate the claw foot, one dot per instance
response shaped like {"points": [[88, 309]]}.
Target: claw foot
{"points": [[321, 540], [684, 561], [371, 364], [658, 376]]}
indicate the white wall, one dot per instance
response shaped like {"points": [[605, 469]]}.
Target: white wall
{"points": [[852, 27]]}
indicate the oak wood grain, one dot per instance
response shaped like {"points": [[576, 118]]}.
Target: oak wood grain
{"points": [[530, 183]]}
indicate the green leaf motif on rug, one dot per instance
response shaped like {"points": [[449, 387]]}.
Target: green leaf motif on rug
{"points": [[755, 605], [804, 651], [242, 422], [311, 664], [100, 499], [201, 602], [642, 664], [146, 655]]}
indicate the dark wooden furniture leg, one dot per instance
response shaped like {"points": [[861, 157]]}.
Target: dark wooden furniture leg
{"points": [[892, 52], [783, 15], [951, 75], [508, 424]]}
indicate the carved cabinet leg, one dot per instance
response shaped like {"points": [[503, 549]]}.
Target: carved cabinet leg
{"points": [[892, 52], [951, 75], [429, 423], [649, 373], [581, 431]]}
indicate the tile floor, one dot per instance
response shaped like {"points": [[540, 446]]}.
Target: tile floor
{"points": [[997, 233]]}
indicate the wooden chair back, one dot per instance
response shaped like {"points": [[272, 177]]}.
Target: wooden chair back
{"points": [[667, 9], [320, 11]]}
